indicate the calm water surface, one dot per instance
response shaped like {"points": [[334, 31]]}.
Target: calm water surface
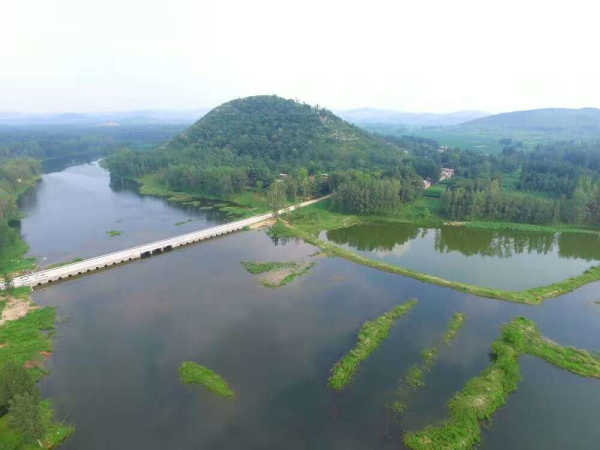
{"points": [[501, 259], [114, 369]]}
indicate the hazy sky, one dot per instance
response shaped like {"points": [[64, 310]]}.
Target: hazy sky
{"points": [[418, 55]]}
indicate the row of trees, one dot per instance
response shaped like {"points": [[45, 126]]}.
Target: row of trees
{"points": [[364, 193], [480, 199]]}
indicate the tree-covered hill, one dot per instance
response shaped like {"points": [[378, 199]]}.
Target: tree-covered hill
{"points": [[267, 135], [585, 121], [281, 135]]}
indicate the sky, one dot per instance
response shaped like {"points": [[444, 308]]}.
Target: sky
{"points": [[417, 56]]}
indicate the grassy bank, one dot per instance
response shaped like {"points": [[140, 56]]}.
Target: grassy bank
{"points": [[484, 394], [423, 212], [57, 432], [26, 342], [190, 372], [534, 296], [370, 336], [245, 204], [12, 257]]}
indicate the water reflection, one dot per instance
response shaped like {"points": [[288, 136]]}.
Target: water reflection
{"points": [[507, 259]]}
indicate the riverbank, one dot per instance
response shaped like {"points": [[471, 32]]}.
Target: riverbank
{"points": [[535, 296], [240, 206], [424, 212], [26, 332]]}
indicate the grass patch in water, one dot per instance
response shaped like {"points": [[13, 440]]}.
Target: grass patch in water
{"points": [[415, 378], [190, 372], [262, 267], [61, 264], [370, 336], [183, 222], [534, 296], [458, 320], [295, 274], [113, 233], [484, 394]]}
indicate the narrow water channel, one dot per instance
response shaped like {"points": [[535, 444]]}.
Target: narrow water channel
{"points": [[114, 370]]}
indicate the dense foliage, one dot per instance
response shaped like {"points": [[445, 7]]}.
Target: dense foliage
{"points": [[16, 176], [44, 142], [258, 138]]}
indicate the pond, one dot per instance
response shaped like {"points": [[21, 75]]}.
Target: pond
{"points": [[114, 370], [514, 260]]}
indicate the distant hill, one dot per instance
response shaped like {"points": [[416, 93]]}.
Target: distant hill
{"points": [[585, 121], [279, 134], [145, 117], [382, 116]]}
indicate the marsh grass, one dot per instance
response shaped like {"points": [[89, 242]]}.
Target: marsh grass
{"points": [[296, 274], [458, 320], [534, 296], [262, 267], [190, 372], [484, 394], [370, 336], [416, 375]]}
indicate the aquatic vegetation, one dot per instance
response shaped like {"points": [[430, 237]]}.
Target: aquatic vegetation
{"points": [[415, 376], [458, 320], [183, 222], [113, 233], [278, 273], [487, 392], [190, 372], [370, 336], [535, 296], [261, 267]]}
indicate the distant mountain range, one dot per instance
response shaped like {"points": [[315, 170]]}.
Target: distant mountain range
{"points": [[548, 120], [103, 118], [385, 116]]}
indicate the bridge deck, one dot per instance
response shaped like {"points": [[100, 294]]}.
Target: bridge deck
{"points": [[111, 259]]}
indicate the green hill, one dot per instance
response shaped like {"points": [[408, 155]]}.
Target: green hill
{"points": [[574, 122], [281, 135]]}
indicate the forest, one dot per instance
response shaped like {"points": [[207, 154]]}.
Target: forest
{"points": [[289, 150], [16, 176], [46, 142]]}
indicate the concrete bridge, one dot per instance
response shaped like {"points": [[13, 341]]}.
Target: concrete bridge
{"points": [[100, 262]]}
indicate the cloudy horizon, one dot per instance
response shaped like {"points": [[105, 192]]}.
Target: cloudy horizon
{"points": [[433, 57]]}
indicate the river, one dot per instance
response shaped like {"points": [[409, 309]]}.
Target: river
{"points": [[114, 369]]}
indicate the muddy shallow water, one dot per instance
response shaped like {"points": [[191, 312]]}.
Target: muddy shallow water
{"points": [[114, 371]]}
